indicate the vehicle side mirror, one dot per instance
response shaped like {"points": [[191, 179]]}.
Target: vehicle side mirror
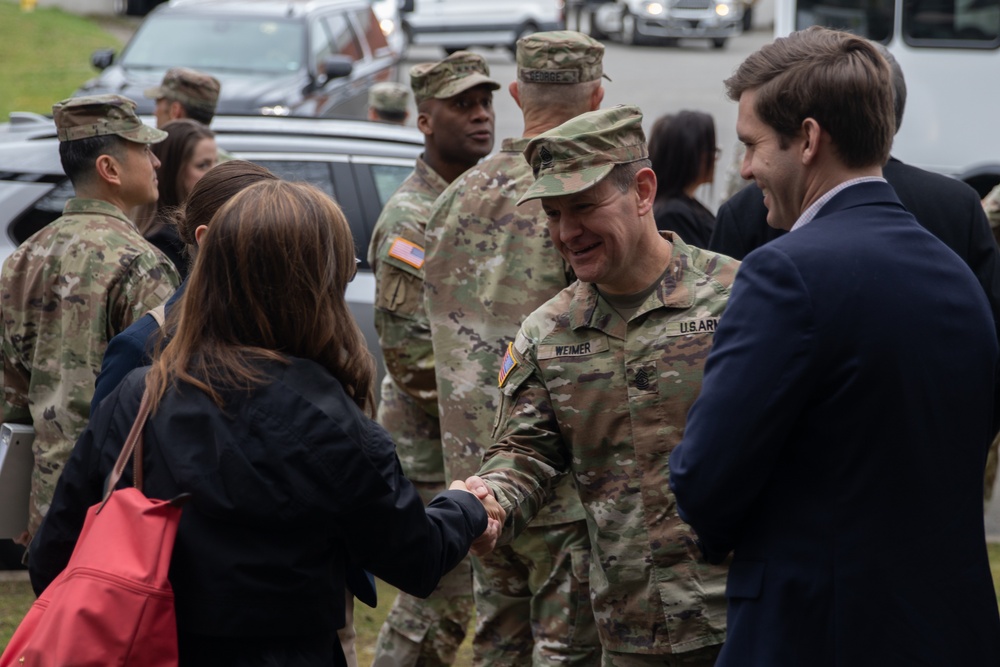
{"points": [[102, 58], [405, 5], [336, 67]]}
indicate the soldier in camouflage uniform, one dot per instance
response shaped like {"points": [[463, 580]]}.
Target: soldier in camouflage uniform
{"points": [[185, 93], [489, 264], [454, 99], [387, 102], [597, 385], [79, 281]]}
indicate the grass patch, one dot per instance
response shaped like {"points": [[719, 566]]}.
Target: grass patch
{"points": [[45, 56], [16, 597]]}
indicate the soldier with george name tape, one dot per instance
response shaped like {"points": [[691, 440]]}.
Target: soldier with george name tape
{"points": [[597, 384], [455, 114], [489, 264]]}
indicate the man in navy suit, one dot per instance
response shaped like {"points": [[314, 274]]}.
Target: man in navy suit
{"points": [[838, 445]]}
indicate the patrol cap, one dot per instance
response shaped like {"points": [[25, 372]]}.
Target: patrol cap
{"points": [[388, 96], [446, 78], [560, 56], [189, 87], [581, 152], [100, 115]]}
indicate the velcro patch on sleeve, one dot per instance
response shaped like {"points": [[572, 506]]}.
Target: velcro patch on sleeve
{"points": [[408, 252], [506, 365]]}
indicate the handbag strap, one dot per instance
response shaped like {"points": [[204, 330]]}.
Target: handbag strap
{"points": [[133, 448]]}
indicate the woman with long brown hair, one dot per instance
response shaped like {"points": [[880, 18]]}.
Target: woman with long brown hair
{"points": [[260, 413], [186, 155]]}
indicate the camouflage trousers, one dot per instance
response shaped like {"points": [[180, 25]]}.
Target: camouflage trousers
{"points": [[703, 657], [427, 632], [347, 634], [533, 601], [990, 479]]}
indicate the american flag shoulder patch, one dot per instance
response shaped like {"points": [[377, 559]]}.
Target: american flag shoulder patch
{"points": [[408, 252], [506, 365]]}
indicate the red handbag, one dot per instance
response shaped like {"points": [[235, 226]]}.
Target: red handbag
{"points": [[113, 604]]}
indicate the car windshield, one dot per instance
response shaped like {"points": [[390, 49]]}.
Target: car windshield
{"points": [[217, 44]]}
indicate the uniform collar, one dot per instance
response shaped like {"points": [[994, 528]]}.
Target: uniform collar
{"points": [[432, 180], [96, 206], [676, 290]]}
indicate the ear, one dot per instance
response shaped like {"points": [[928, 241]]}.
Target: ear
{"points": [[425, 123], [645, 189], [109, 169], [199, 233], [596, 98], [811, 134], [515, 92], [177, 110]]}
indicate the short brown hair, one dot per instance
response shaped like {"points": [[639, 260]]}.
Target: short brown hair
{"points": [[838, 79], [269, 283]]}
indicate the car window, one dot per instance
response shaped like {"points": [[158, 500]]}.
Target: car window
{"points": [[388, 178], [230, 44], [342, 36], [369, 27], [317, 173], [45, 210]]}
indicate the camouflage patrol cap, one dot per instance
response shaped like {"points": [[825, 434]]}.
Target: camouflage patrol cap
{"points": [[388, 96], [449, 77], [581, 152], [189, 87], [100, 115], [560, 56]]}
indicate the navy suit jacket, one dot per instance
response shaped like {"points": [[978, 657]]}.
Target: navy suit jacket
{"points": [[838, 447]]}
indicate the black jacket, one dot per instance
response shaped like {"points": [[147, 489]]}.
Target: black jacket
{"points": [[947, 208], [289, 483]]}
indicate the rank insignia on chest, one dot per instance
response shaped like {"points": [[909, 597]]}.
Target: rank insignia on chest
{"points": [[506, 365], [408, 252]]}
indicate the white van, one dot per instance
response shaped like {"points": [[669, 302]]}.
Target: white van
{"points": [[950, 54], [458, 24]]}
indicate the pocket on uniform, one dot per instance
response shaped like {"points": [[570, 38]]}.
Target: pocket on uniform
{"points": [[746, 579], [399, 291]]}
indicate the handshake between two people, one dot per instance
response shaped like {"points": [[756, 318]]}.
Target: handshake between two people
{"points": [[488, 540]]}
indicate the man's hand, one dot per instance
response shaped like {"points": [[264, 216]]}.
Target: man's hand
{"points": [[488, 540]]}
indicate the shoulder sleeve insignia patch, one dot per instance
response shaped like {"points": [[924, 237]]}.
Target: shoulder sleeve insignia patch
{"points": [[407, 252], [506, 365]]}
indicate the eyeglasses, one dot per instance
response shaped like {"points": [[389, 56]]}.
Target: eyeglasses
{"points": [[355, 274]]}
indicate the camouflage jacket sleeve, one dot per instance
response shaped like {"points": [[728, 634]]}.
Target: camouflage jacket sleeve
{"points": [[529, 455], [400, 319], [147, 282], [14, 377]]}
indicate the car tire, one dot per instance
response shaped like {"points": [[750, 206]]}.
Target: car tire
{"points": [[630, 29], [455, 49], [407, 40], [719, 43], [523, 31]]}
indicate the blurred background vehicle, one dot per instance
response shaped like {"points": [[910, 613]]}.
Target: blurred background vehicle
{"points": [[949, 51], [659, 21], [458, 24], [273, 57], [358, 163]]}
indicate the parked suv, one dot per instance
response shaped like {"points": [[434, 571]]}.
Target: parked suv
{"points": [[358, 163], [459, 24], [664, 21], [273, 57]]}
